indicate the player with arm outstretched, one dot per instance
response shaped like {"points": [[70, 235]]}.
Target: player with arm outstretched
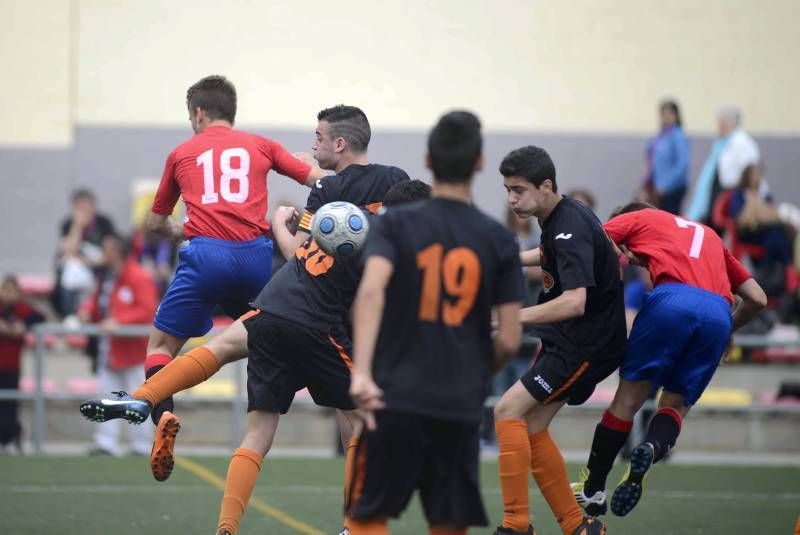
{"points": [[677, 341], [221, 175], [580, 318], [424, 352]]}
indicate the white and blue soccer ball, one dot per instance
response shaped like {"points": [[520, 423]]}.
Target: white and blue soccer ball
{"points": [[340, 228]]}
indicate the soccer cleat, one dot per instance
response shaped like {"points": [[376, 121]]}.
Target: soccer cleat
{"points": [[508, 531], [344, 531], [119, 405], [629, 491], [162, 458], [590, 526], [224, 532], [594, 505]]}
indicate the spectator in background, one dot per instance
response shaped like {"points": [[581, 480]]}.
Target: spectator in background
{"points": [[16, 317], [125, 295], [732, 151], [583, 196], [79, 253], [157, 255], [668, 161], [758, 223]]}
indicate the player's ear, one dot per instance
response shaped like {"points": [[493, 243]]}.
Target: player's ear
{"points": [[339, 144], [428, 161], [478, 164]]}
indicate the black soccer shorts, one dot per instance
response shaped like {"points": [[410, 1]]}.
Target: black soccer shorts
{"points": [[286, 357], [409, 451], [556, 376]]}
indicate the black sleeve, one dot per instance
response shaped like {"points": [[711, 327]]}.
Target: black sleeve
{"points": [[319, 196], [65, 226], [510, 284], [574, 253], [381, 239], [105, 226]]}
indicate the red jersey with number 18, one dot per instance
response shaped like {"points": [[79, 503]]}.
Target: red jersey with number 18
{"points": [[221, 173], [675, 249]]}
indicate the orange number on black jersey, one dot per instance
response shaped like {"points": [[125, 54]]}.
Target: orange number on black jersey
{"points": [[316, 261], [460, 271]]}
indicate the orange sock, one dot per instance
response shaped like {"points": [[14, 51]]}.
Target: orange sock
{"points": [[447, 531], [513, 459], [183, 372], [550, 473], [349, 460], [368, 527], [239, 484]]}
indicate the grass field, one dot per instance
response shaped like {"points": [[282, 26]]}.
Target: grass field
{"points": [[88, 496]]}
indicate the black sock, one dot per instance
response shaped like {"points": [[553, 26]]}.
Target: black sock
{"points": [[166, 405], [609, 437], [663, 432]]}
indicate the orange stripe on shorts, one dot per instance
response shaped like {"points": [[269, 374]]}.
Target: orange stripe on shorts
{"points": [[572, 379]]}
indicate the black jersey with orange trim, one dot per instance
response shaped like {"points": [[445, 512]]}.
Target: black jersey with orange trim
{"points": [[452, 263], [313, 288], [362, 185], [576, 253]]}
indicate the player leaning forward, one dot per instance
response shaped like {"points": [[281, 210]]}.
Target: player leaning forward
{"points": [[423, 351], [581, 320]]}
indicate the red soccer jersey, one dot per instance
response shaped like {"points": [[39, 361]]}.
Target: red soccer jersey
{"points": [[222, 175], [677, 250]]}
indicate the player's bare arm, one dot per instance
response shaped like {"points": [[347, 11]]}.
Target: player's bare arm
{"points": [[531, 257], [570, 304], [367, 314], [283, 222], [509, 334], [753, 301], [316, 171], [161, 224]]}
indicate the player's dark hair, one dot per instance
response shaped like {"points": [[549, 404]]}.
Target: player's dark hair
{"points": [[407, 191], [350, 123], [583, 195], [454, 146], [215, 95], [634, 206], [531, 163], [82, 194], [673, 107]]}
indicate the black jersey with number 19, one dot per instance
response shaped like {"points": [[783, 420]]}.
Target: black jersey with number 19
{"points": [[452, 263]]}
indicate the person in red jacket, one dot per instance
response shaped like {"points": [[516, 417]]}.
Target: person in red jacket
{"points": [[127, 294], [15, 318]]}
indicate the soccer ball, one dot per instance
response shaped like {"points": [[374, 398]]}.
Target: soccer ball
{"points": [[340, 228]]}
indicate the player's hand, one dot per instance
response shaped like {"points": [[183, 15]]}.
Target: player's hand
{"points": [[286, 215], [367, 396], [108, 326], [305, 158]]}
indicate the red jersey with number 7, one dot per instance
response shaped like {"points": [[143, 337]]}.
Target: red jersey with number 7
{"points": [[221, 173], [675, 249]]}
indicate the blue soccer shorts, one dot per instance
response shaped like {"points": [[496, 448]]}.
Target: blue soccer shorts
{"points": [[678, 339], [213, 273]]}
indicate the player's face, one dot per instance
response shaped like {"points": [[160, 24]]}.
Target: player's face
{"points": [[524, 199], [324, 147], [9, 293]]}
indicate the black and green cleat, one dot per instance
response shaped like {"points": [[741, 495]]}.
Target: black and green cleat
{"points": [[629, 491], [118, 405]]}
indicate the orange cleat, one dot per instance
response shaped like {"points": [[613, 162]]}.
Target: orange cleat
{"points": [[162, 458]]}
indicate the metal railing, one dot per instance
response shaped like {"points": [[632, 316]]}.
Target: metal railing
{"points": [[238, 402]]}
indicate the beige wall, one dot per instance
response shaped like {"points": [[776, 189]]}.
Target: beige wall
{"points": [[35, 73], [596, 66]]}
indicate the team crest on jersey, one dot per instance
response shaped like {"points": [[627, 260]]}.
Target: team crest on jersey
{"points": [[548, 281]]}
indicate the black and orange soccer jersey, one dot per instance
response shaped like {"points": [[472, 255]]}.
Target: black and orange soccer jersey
{"points": [[576, 253], [452, 264], [313, 288]]}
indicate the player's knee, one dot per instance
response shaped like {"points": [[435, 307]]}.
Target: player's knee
{"points": [[506, 409]]}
